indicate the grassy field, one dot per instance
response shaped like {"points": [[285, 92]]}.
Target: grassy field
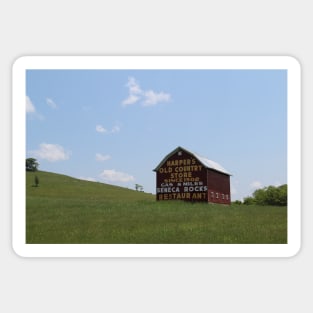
{"points": [[67, 210]]}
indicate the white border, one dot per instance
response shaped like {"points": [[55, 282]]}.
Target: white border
{"points": [[156, 250]]}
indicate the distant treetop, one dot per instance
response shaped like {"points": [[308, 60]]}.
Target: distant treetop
{"points": [[32, 164]]}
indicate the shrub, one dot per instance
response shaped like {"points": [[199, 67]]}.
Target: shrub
{"points": [[36, 181]]}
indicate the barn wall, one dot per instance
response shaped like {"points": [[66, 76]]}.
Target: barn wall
{"points": [[182, 177], [218, 187]]}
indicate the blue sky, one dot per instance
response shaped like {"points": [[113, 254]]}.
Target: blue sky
{"points": [[115, 126]]}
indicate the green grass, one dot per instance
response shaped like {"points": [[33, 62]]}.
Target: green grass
{"points": [[67, 210]]}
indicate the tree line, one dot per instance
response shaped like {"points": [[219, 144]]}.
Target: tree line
{"points": [[268, 196]]}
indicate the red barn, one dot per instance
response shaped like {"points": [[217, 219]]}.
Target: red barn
{"points": [[184, 175]]}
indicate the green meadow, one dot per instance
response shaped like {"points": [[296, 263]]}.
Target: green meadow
{"points": [[66, 210]]}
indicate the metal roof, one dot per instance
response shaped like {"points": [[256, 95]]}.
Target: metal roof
{"points": [[204, 161]]}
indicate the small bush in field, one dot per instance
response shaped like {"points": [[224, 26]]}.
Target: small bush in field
{"points": [[36, 181]]}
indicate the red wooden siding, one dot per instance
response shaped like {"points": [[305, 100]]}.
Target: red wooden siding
{"points": [[218, 187]]}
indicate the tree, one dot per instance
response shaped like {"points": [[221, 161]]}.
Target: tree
{"points": [[138, 187], [283, 194], [269, 196], [260, 196], [249, 200], [32, 164]]}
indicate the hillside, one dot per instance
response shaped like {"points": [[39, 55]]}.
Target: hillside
{"points": [[68, 210], [54, 186]]}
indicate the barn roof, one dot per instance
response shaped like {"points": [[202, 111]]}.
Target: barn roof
{"points": [[204, 161]]}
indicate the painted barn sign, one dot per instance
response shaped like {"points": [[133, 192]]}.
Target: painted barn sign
{"points": [[183, 175]]}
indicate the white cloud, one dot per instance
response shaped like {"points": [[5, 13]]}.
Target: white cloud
{"points": [[130, 100], [101, 129], [153, 98], [115, 176], [100, 157], [51, 152], [146, 97], [30, 108], [115, 129], [133, 86], [134, 91], [51, 103], [256, 185]]}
